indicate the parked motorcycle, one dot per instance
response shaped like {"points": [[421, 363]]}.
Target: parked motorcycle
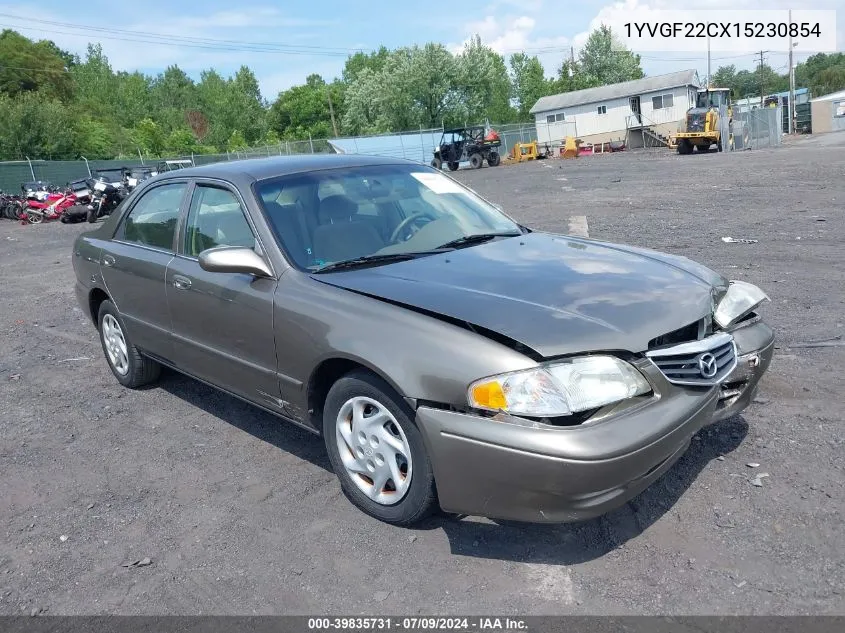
{"points": [[11, 207], [109, 190], [79, 212], [44, 202]]}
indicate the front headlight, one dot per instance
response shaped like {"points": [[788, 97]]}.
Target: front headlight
{"points": [[559, 388], [740, 299]]}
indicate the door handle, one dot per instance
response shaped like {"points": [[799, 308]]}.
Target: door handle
{"points": [[180, 282], [108, 260]]}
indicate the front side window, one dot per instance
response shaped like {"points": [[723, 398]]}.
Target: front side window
{"points": [[216, 218], [334, 215], [153, 219]]}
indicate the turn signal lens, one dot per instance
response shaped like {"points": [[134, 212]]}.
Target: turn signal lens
{"points": [[489, 395]]}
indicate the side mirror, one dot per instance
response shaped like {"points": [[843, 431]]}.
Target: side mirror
{"points": [[234, 259]]}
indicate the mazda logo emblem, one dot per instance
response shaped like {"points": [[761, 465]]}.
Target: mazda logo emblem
{"points": [[707, 365]]}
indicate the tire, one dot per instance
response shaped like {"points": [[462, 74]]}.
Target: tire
{"points": [[91, 216], [454, 165], [34, 216], [417, 496], [436, 163], [476, 161], [139, 370], [493, 159]]}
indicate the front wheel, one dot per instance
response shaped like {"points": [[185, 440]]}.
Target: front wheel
{"points": [[436, 163], [376, 450]]}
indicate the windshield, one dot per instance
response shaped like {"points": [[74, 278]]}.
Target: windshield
{"points": [[335, 215], [713, 98]]}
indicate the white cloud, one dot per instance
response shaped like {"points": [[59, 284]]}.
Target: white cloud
{"points": [[540, 28]]}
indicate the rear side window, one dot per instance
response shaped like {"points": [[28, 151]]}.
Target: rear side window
{"points": [[216, 219], [153, 219]]}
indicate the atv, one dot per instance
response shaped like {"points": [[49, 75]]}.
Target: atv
{"points": [[467, 144]]}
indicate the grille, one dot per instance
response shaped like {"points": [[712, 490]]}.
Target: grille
{"points": [[696, 123], [701, 363]]}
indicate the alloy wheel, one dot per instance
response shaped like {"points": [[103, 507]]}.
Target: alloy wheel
{"points": [[115, 344]]}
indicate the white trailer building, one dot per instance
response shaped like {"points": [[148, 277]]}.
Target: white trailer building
{"points": [[641, 112]]}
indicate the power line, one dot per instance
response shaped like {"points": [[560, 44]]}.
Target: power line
{"points": [[209, 44]]}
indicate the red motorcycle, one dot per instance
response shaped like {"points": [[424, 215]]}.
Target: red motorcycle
{"points": [[45, 203]]}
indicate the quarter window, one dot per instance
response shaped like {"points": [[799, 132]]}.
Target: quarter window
{"points": [[602, 109], [153, 219], [216, 219]]}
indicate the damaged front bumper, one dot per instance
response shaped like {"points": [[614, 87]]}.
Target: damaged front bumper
{"points": [[755, 344], [503, 470]]}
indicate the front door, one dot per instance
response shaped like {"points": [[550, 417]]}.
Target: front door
{"points": [[133, 266], [222, 322], [635, 108]]}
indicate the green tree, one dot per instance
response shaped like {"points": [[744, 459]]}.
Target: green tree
{"points": [[528, 83], [180, 141], [822, 73], [37, 126], [303, 110], [148, 135], [95, 139], [604, 60], [26, 66], [356, 63], [364, 114], [236, 142], [483, 83]]}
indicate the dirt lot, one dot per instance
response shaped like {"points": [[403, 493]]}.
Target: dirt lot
{"points": [[240, 514]]}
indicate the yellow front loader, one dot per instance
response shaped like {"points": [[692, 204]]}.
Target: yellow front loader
{"points": [[702, 127]]}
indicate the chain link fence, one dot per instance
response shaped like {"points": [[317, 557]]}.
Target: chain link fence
{"points": [[757, 128], [416, 145]]}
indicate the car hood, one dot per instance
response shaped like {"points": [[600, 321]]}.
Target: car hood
{"points": [[555, 294]]}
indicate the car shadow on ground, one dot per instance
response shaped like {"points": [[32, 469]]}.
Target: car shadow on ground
{"points": [[568, 544], [551, 544]]}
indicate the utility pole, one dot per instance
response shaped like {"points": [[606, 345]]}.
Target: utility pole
{"points": [[791, 112], [709, 76], [331, 110], [762, 94], [571, 65]]}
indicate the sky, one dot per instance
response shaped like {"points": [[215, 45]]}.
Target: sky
{"points": [[283, 42]]}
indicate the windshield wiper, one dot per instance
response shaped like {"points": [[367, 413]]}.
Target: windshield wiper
{"points": [[373, 259], [477, 238]]}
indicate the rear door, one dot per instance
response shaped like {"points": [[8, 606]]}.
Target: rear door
{"points": [[222, 322], [134, 262]]}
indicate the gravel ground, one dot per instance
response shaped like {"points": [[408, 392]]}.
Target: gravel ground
{"points": [[240, 514]]}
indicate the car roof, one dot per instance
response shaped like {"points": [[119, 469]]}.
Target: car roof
{"points": [[272, 167]]}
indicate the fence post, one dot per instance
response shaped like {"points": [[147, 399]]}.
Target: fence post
{"points": [[311, 143], [356, 145], [422, 143], [287, 147], [280, 148], [402, 144]]}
